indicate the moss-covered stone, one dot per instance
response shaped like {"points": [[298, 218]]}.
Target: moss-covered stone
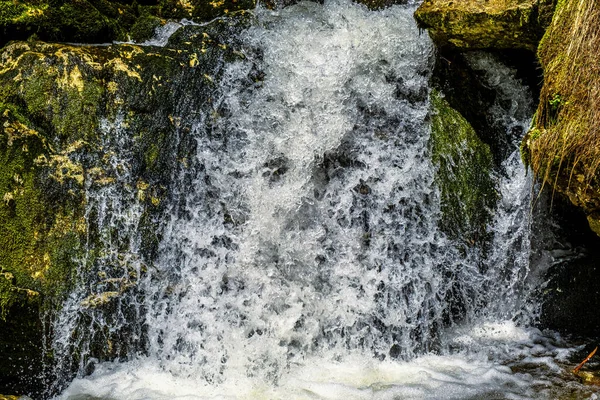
{"points": [[144, 28], [563, 146], [33, 239], [72, 20], [103, 21], [464, 174], [65, 111], [492, 24]]}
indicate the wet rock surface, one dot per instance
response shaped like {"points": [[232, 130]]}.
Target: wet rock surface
{"points": [[58, 105], [494, 24]]}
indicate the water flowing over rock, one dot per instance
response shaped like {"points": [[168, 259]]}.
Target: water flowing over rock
{"points": [[283, 203], [60, 106]]}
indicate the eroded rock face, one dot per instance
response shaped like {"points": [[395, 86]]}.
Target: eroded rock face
{"points": [[492, 24], [64, 112]]}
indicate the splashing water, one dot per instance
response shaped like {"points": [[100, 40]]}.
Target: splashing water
{"points": [[301, 255]]}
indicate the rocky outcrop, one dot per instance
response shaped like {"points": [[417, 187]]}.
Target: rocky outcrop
{"points": [[102, 21], [563, 148], [64, 111], [492, 24]]}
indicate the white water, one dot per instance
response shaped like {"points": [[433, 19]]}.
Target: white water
{"points": [[482, 369], [305, 261]]}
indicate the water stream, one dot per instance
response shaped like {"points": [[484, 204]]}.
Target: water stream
{"points": [[300, 257]]}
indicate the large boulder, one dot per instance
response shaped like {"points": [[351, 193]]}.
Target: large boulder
{"points": [[491, 24], [65, 113], [563, 147]]}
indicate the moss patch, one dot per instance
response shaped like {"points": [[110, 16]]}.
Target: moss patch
{"points": [[464, 174], [33, 240]]}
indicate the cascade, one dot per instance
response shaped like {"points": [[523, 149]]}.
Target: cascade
{"points": [[300, 254]]}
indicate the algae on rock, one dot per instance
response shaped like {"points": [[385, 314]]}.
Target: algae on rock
{"points": [[464, 174], [492, 24]]}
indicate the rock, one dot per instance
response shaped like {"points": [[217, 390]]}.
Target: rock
{"points": [[570, 298], [468, 192], [490, 24], [103, 21], [468, 91], [59, 107], [563, 147], [21, 338]]}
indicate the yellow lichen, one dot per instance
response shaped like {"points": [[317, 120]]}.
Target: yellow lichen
{"points": [[217, 3], [176, 121], [75, 79], [186, 5], [63, 168], [112, 87], [142, 187], [16, 130], [193, 60], [118, 65]]}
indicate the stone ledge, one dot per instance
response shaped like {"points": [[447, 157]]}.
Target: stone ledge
{"points": [[491, 24]]}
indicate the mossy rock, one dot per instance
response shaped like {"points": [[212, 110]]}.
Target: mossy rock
{"points": [[103, 21], [492, 24], [145, 28], [464, 174], [66, 21], [60, 105], [39, 229], [563, 146]]}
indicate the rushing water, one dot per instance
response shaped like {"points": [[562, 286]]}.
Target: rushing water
{"points": [[301, 256]]}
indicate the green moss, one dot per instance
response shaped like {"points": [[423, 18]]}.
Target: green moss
{"points": [[564, 143], [152, 155], [464, 173], [61, 74], [144, 28], [33, 240]]}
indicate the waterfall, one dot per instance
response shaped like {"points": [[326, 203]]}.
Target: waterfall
{"points": [[300, 255]]}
